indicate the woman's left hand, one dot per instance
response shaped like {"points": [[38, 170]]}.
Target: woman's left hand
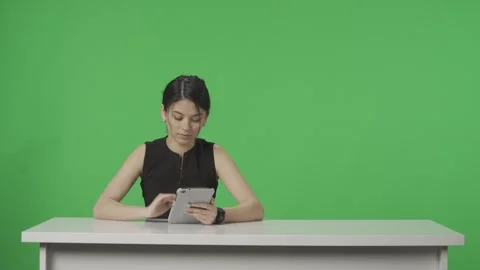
{"points": [[206, 213]]}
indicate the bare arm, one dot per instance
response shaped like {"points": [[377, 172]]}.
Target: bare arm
{"points": [[108, 205], [249, 207]]}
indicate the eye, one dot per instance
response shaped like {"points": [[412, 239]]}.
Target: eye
{"points": [[178, 118], [196, 119]]}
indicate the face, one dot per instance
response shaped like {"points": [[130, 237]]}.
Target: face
{"points": [[184, 121]]}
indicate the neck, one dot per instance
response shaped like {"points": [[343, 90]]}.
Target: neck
{"points": [[178, 148]]}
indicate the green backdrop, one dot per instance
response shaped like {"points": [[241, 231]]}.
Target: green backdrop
{"points": [[332, 110]]}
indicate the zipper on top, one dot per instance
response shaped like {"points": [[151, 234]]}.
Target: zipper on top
{"points": [[181, 169]]}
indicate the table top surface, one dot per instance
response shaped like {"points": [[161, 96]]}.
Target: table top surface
{"points": [[261, 233]]}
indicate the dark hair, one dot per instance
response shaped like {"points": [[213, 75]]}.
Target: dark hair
{"points": [[187, 87]]}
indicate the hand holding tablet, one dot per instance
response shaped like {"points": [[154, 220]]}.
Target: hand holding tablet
{"points": [[193, 206]]}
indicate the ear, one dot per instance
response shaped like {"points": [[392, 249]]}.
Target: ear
{"points": [[163, 113]]}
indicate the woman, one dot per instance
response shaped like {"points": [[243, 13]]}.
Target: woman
{"points": [[180, 159]]}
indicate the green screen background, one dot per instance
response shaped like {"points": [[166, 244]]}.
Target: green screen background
{"points": [[332, 110]]}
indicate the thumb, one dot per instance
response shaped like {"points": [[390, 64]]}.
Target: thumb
{"points": [[168, 197]]}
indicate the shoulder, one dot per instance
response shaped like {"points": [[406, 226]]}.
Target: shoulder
{"points": [[139, 151], [205, 146], [216, 149], [154, 146], [155, 142], [220, 154], [135, 159], [151, 151]]}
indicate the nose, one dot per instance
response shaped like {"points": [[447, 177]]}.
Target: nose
{"points": [[186, 125]]}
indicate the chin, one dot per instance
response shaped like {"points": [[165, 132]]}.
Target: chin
{"points": [[185, 140]]}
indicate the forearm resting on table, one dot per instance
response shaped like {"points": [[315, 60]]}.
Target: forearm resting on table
{"points": [[107, 208], [244, 212]]}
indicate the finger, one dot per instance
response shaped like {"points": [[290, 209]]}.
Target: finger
{"points": [[203, 205], [163, 197], [168, 197], [203, 219], [196, 211], [202, 214], [200, 211]]}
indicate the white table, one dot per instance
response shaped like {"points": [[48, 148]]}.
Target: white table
{"points": [[85, 243]]}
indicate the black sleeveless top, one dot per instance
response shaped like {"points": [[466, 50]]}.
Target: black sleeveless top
{"points": [[164, 171]]}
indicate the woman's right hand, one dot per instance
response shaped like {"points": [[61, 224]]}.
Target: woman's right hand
{"points": [[161, 204]]}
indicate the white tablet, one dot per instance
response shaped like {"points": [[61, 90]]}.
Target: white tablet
{"points": [[185, 197]]}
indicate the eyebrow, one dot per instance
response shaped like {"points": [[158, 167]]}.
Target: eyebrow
{"points": [[198, 114]]}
